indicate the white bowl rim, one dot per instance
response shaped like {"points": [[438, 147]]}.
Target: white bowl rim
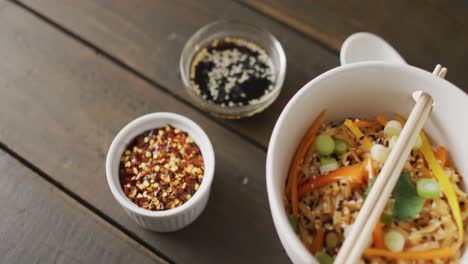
{"points": [[130, 128], [279, 216]]}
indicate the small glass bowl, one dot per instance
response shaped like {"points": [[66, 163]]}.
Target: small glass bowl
{"points": [[221, 29]]}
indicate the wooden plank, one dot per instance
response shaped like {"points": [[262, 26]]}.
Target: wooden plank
{"points": [[61, 104], [149, 36], [40, 224], [424, 32]]}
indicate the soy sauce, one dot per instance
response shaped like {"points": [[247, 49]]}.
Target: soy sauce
{"points": [[232, 72]]}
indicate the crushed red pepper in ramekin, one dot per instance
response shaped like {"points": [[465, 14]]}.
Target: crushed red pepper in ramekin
{"points": [[161, 169]]}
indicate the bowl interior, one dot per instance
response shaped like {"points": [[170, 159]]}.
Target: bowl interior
{"points": [[145, 123], [361, 90]]}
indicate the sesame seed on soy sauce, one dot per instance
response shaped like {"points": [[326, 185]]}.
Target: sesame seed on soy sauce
{"points": [[232, 72]]}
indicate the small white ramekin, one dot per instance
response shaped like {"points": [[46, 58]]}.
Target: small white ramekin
{"points": [[172, 219]]}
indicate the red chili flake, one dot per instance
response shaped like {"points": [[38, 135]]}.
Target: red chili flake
{"points": [[161, 169]]}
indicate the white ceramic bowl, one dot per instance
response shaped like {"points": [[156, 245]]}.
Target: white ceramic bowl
{"points": [[361, 90], [172, 219]]}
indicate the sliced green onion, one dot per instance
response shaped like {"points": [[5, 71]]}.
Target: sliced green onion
{"points": [[386, 219], [293, 223], [324, 144], [323, 258], [392, 141], [369, 188], [347, 229], [379, 153], [389, 206], [331, 239], [340, 146], [387, 216], [394, 241], [428, 188], [418, 143], [327, 164], [392, 128]]}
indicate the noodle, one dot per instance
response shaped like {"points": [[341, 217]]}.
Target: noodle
{"points": [[334, 207]]}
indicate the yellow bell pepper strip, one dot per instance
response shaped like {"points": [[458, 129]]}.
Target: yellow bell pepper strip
{"points": [[363, 123], [306, 141], [443, 180], [353, 173], [358, 134], [382, 120], [378, 235], [410, 255]]}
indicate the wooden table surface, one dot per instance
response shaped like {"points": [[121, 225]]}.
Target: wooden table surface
{"points": [[73, 73]]}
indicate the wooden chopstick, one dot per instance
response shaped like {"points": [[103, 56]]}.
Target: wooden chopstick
{"points": [[388, 177], [359, 235]]}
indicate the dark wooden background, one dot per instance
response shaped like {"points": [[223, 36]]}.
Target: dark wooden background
{"points": [[73, 73]]}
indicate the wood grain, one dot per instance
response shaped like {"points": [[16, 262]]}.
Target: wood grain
{"points": [[424, 32], [29, 204], [149, 36], [61, 104]]}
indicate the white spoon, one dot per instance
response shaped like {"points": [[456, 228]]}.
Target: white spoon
{"points": [[363, 46]]}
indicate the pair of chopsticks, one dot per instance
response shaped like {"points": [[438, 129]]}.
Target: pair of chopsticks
{"points": [[381, 191]]}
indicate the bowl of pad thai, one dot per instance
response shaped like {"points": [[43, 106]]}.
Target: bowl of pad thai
{"points": [[329, 145]]}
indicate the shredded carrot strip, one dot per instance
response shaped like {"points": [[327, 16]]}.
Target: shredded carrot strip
{"points": [[378, 236], [362, 123], [443, 180], [415, 255], [353, 173], [399, 118], [310, 248], [358, 134], [382, 120], [304, 145], [441, 155], [318, 243]]}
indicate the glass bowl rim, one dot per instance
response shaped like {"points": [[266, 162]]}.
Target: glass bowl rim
{"points": [[189, 52]]}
